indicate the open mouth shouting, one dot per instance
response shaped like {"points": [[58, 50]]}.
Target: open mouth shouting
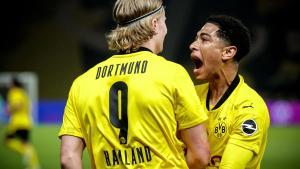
{"points": [[197, 62]]}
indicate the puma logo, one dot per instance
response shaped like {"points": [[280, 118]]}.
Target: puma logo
{"points": [[248, 106]]}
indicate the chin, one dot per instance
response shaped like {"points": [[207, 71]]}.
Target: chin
{"points": [[199, 77]]}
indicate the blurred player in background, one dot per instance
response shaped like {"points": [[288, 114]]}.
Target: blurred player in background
{"points": [[130, 109], [20, 124], [238, 117]]}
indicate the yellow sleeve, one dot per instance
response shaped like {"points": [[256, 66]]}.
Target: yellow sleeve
{"points": [[188, 109], [249, 127], [235, 157], [71, 124]]}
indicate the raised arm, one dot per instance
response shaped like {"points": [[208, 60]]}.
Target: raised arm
{"points": [[196, 141], [71, 151]]}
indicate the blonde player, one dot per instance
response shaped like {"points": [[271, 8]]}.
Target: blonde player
{"points": [[238, 117], [128, 110], [20, 124]]}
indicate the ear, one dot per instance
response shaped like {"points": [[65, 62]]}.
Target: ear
{"points": [[229, 52], [154, 24]]}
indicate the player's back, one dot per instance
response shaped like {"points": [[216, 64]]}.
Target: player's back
{"points": [[126, 108]]}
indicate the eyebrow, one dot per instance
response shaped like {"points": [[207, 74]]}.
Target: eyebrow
{"points": [[207, 34], [204, 34], [199, 35]]}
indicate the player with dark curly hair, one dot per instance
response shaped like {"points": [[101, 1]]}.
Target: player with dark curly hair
{"points": [[238, 117]]}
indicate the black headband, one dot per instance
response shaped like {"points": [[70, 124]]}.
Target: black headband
{"points": [[140, 17]]}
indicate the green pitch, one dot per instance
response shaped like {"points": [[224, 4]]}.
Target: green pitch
{"points": [[46, 142], [283, 150]]}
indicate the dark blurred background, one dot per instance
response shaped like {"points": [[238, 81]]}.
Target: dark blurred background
{"points": [[60, 39], [48, 43]]}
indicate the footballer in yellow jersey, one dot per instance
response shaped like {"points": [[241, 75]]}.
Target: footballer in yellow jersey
{"points": [[19, 109], [123, 109], [135, 109], [20, 124], [241, 117], [238, 117]]}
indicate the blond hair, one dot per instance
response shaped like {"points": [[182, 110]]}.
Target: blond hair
{"points": [[133, 29]]}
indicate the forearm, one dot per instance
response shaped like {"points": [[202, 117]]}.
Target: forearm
{"points": [[235, 157], [195, 138], [196, 163], [71, 152], [71, 163]]}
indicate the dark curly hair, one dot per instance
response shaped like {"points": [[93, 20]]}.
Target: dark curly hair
{"points": [[233, 32]]}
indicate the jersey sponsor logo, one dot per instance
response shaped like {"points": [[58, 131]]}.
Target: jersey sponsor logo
{"points": [[127, 157], [249, 127], [119, 69], [220, 128]]}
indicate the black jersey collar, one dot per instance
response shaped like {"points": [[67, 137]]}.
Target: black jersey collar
{"points": [[133, 51], [230, 89]]}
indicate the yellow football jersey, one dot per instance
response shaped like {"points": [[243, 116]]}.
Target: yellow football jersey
{"points": [[128, 109], [240, 117], [19, 107]]}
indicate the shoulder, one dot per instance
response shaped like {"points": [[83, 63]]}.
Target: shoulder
{"points": [[248, 101], [202, 89], [169, 64], [16, 92], [248, 94], [169, 69], [85, 78]]}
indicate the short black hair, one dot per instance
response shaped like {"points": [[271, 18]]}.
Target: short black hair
{"points": [[16, 82], [234, 32]]}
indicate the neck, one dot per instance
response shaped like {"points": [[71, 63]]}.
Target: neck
{"points": [[220, 82], [151, 45]]}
